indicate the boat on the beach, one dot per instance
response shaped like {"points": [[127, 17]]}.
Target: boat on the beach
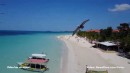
{"points": [[92, 71], [39, 57], [35, 63]]}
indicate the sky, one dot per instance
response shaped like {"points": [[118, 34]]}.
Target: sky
{"points": [[62, 15]]}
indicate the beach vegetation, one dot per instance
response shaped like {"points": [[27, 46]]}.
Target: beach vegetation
{"points": [[120, 36]]}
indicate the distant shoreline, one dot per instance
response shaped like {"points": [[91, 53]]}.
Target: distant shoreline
{"points": [[18, 32]]}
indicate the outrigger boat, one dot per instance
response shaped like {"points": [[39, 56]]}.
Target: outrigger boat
{"points": [[35, 63]]}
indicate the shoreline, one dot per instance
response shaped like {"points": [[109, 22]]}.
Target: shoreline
{"points": [[64, 59], [68, 59], [80, 54]]}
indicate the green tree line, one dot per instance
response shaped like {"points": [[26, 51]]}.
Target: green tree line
{"points": [[120, 37]]}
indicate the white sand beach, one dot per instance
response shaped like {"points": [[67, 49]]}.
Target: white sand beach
{"points": [[81, 53]]}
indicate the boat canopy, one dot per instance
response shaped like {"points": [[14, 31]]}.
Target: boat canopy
{"points": [[39, 55], [35, 61]]}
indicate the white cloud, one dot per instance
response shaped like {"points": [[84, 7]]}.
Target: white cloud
{"points": [[120, 7]]}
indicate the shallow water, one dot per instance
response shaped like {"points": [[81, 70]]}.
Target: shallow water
{"points": [[17, 48]]}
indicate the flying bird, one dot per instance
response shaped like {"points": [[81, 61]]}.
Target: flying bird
{"points": [[81, 26]]}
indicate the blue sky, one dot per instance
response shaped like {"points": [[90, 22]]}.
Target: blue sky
{"points": [[62, 15]]}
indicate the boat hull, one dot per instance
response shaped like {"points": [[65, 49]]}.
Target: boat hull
{"points": [[25, 67]]}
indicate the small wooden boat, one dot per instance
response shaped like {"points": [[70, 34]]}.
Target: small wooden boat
{"points": [[32, 67], [35, 63]]}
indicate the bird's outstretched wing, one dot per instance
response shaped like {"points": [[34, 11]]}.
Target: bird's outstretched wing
{"points": [[81, 26], [75, 31]]}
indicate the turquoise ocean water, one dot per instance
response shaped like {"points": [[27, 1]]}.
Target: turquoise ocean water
{"points": [[17, 48]]}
